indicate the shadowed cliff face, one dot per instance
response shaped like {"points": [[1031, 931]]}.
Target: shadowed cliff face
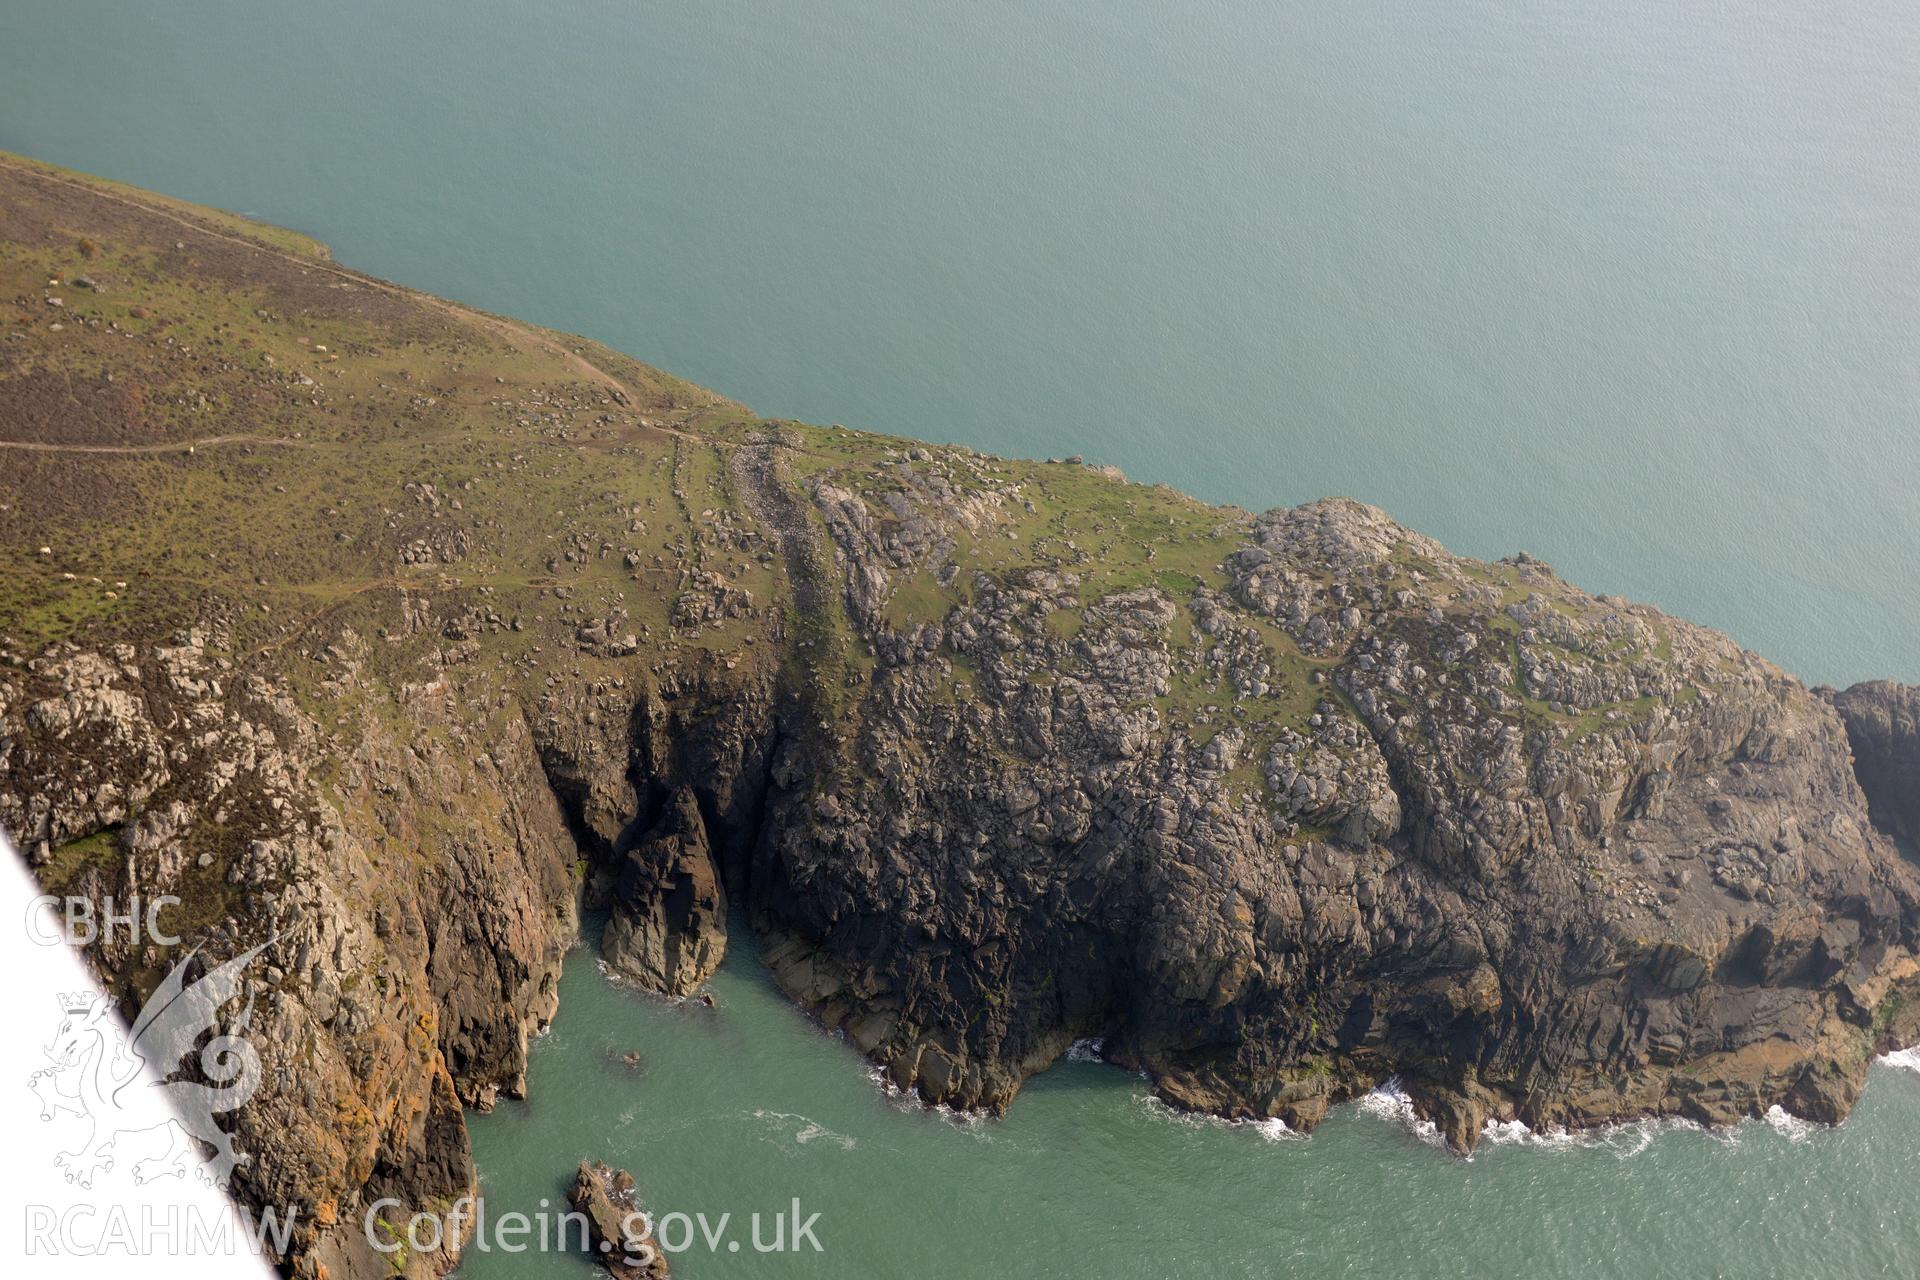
{"points": [[396, 631], [1883, 725]]}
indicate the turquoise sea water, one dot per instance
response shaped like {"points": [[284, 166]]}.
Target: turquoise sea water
{"points": [[1631, 285], [745, 1107]]}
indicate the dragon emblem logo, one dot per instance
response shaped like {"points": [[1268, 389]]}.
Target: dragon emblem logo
{"points": [[95, 1077]]}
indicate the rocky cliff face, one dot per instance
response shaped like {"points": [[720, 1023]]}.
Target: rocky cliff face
{"points": [[417, 884], [469, 623], [1656, 893]]}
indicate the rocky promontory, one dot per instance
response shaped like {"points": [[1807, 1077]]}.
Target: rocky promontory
{"points": [[395, 631]]}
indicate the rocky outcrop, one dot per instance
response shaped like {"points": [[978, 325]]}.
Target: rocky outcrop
{"points": [[1883, 725], [618, 1234], [1542, 855], [996, 756], [1374, 853], [668, 929]]}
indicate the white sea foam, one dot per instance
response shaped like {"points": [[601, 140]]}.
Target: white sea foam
{"points": [[1391, 1103], [624, 983], [969, 1122], [1791, 1127], [1905, 1059], [803, 1130], [1628, 1140], [1273, 1128], [1625, 1139], [1093, 1050], [1515, 1133]]}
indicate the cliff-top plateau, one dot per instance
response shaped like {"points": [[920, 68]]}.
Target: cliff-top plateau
{"points": [[396, 633]]}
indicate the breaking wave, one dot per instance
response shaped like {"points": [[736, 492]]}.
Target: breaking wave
{"points": [[1087, 1051], [1905, 1059], [1273, 1129], [1626, 1139], [974, 1123], [1390, 1103]]}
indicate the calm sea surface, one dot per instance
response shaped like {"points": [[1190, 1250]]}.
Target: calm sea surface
{"points": [[1631, 285]]}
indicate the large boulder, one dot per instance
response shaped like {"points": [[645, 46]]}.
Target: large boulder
{"points": [[617, 1230]]}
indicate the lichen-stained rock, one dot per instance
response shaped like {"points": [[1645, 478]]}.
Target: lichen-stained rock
{"points": [[1335, 778], [84, 750], [396, 988]]}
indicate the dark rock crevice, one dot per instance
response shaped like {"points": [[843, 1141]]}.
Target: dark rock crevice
{"points": [[1883, 727]]}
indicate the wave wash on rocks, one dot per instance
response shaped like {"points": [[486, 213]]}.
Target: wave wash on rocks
{"points": [[397, 631]]}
